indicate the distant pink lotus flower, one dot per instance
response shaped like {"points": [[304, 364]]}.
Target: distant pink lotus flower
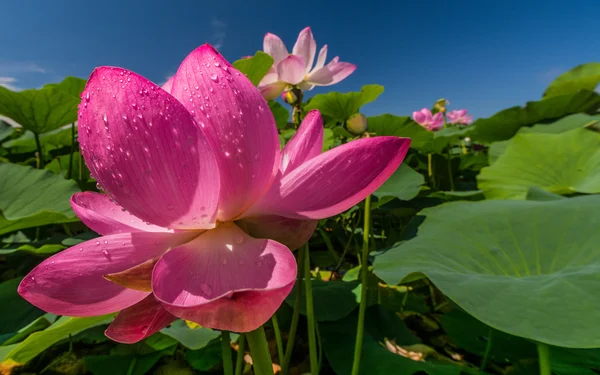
{"points": [[427, 120], [296, 69], [459, 117], [190, 170]]}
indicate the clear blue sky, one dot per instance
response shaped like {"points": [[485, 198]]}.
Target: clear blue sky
{"points": [[483, 55]]}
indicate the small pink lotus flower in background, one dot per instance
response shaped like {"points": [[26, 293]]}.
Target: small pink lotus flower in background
{"points": [[194, 175], [459, 117], [296, 69], [429, 121]]}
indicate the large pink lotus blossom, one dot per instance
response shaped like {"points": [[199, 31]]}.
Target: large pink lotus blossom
{"points": [[190, 170], [427, 120], [459, 117], [296, 69]]}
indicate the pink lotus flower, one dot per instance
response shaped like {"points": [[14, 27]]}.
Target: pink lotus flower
{"points": [[459, 117], [429, 121], [297, 69], [189, 170]]}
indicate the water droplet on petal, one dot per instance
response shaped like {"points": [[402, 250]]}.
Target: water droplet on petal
{"points": [[206, 289], [214, 77]]}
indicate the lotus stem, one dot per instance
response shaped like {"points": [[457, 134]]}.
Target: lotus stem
{"points": [[278, 337], [239, 361], [259, 348], [488, 350], [295, 315], [310, 315], [80, 166], [40, 158], [364, 271], [544, 358], [70, 170], [226, 352], [450, 175], [429, 165], [132, 366]]}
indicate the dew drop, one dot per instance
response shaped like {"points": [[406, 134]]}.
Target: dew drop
{"points": [[206, 289], [124, 116], [97, 243], [214, 77], [224, 261], [238, 239]]}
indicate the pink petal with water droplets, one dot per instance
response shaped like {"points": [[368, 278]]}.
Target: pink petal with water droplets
{"points": [[306, 47], [139, 321], [291, 69], [336, 180], [305, 144], [275, 47], [147, 152], [237, 122], [104, 216], [225, 279], [71, 283]]}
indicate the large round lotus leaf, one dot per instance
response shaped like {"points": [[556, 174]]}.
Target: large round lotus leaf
{"points": [[564, 163], [528, 268], [576, 121]]}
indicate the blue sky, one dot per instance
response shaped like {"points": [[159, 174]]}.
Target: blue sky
{"points": [[483, 55]]}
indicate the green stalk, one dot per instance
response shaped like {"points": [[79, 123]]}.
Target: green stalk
{"points": [[329, 245], [278, 337], [295, 315], [310, 315], [132, 366], [80, 167], [364, 270], [40, 158], [226, 352], [239, 361], [70, 170], [450, 176], [488, 350], [544, 358], [259, 348]]}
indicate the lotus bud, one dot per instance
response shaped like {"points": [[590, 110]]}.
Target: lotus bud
{"points": [[441, 105], [357, 124], [292, 97]]}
